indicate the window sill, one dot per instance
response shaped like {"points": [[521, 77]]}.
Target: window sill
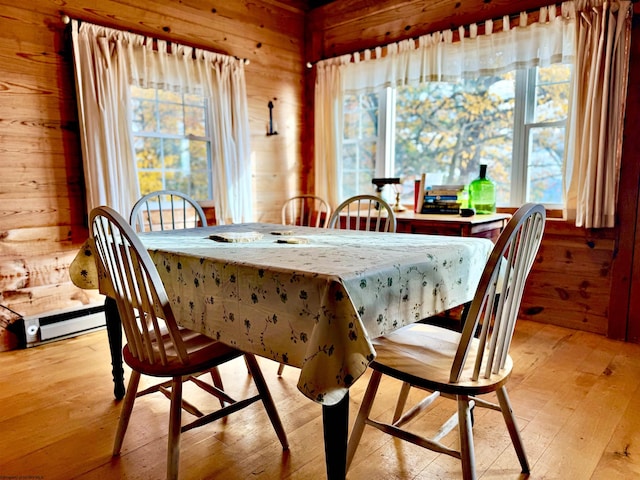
{"points": [[552, 213]]}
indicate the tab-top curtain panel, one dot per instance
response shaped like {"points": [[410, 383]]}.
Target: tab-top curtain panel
{"points": [[599, 93], [107, 62], [102, 90]]}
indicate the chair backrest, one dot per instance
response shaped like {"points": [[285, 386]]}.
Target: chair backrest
{"points": [[143, 305], [307, 210], [495, 307], [166, 210], [364, 212]]}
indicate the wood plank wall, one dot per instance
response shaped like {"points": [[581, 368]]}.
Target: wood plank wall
{"points": [[570, 282], [42, 212]]}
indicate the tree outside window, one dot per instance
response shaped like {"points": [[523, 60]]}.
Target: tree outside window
{"points": [[171, 141], [514, 123]]}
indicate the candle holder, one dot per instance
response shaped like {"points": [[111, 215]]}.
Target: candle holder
{"points": [[397, 188], [398, 207]]}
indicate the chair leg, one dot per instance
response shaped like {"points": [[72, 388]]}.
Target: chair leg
{"points": [[465, 428], [125, 414], [363, 415], [402, 400], [267, 400], [175, 415], [514, 432], [217, 382], [280, 369]]}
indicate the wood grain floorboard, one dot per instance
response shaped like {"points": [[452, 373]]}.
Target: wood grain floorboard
{"points": [[576, 396]]}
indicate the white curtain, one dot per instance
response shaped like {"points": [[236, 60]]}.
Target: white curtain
{"points": [[434, 57], [102, 89], [107, 62], [599, 90], [329, 99]]}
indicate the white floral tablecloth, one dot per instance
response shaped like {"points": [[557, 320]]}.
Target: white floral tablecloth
{"points": [[313, 304]]}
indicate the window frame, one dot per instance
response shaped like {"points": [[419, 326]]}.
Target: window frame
{"points": [[158, 133], [525, 83]]}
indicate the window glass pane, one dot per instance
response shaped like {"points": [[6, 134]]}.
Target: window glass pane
{"points": [[200, 170], [173, 153], [367, 158], [364, 185], [365, 118], [451, 128], [148, 153], [546, 151], [144, 115], [369, 123], [171, 142], [349, 188], [351, 116], [552, 93], [194, 121], [357, 179], [198, 155], [167, 96], [145, 93], [349, 157], [190, 99], [171, 118], [176, 180], [359, 143], [150, 181]]}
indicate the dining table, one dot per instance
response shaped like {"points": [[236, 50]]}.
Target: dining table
{"points": [[311, 298]]}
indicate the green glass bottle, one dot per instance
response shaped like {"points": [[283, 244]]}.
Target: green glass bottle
{"points": [[482, 193]]}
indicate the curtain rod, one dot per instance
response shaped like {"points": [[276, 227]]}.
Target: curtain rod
{"points": [[67, 20]]}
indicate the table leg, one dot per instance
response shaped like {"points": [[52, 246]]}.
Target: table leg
{"points": [[114, 332], [335, 419]]}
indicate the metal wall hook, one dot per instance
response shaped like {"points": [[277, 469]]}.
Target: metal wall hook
{"points": [[271, 127]]}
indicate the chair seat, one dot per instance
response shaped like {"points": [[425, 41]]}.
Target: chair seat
{"points": [[203, 352], [422, 355]]}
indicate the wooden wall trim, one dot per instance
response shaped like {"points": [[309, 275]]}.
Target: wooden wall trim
{"points": [[624, 299]]}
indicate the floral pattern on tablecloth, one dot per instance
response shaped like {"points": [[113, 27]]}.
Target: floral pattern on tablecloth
{"points": [[313, 305]]}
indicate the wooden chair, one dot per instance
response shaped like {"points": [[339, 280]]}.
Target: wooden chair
{"points": [[156, 345], [364, 212], [166, 210], [462, 366], [307, 210]]}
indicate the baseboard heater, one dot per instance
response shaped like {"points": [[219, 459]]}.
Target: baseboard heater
{"points": [[58, 325]]}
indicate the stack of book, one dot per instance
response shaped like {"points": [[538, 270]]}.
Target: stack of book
{"points": [[443, 199]]}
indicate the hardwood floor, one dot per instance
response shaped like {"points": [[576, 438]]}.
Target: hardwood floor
{"points": [[576, 396]]}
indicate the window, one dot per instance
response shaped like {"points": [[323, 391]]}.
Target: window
{"points": [[515, 123], [359, 158], [172, 142]]}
